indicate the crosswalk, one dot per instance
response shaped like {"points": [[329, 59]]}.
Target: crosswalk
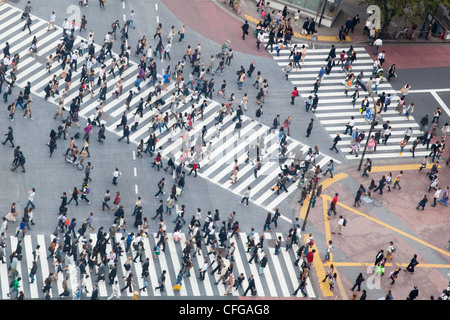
{"points": [[228, 145], [279, 279], [335, 109]]}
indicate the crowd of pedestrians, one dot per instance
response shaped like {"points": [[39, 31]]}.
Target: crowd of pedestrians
{"points": [[94, 255]]}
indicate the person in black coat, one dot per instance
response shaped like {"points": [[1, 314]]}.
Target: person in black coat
{"points": [[245, 28], [251, 285], [310, 127], [9, 137], [312, 27], [359, 280], [413, 294], [381, 185], [112, 274], [412, 264]]}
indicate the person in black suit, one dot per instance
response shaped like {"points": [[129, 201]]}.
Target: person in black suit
{"points": [[379, 257], [245, 28], [159, 210], [251, 285], [123, 121], [112, 274], [312, 27]]}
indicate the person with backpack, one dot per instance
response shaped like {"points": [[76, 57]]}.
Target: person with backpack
{"points": [[20, 162], [332, 207], [161, 185], [341, 222], [330, 168]]}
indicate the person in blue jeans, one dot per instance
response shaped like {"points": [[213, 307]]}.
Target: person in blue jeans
{"points": [[132, 19], [267, 222], [31, 194]]}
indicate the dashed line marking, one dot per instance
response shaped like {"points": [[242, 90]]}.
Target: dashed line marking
{"points": [[135, 172], [136, 188]]}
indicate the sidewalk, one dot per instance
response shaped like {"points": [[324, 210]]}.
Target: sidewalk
{"points": [[325, 34]]}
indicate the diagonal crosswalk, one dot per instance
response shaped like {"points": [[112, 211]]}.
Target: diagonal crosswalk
{"points": [[228, 146], [335, 108], [273, 283]]}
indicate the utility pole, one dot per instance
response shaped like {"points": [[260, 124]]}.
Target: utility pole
{"points": [[372, 125], [312, 199]]}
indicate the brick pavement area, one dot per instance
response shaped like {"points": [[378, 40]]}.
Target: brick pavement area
{"points": [[391, 217]]}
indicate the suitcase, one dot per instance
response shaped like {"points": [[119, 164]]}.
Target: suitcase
{"points": [[254, 292], [177, 287]]}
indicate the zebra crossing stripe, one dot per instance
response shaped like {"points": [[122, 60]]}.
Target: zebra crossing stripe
{"points": [[101, 283], [13, 241], [4, 279], [277, 266], [29, 257], [265, 166], [137, 276], [266, 271], [252, 267], [152, 270], [207, 284], [176, 263], [273, 284], [43, 259]]}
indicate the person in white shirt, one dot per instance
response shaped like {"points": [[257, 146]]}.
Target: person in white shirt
{"points": [[132, 19], [167, 49], [4, 226], [203, 270], [108, 37], [31, 194], [51, 22], [340, 223], [73, 63], [349, 126], [116, 291], [6, 62], [260, 39], [382, 57], [65, 25], [436, 196], [329, 249], [198, 216], [377, 44]]}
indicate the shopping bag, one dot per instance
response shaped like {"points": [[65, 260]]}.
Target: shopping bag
{"points": [[177, 287]]}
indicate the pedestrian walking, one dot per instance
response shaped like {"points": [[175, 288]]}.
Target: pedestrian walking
{"points": [[422, 202], [413, 294], [359, 280], [394, 274], [310, 127], [116, 175], [412, 264], [340, 223]]}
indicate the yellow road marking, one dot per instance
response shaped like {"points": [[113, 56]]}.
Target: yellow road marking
{"points": [[400, 167], [390, 227], [325, 184], [320, 271], [328, 182]]}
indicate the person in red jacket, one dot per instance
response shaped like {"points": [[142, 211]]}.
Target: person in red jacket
{"points": [[310, 257], [294, 94]]}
